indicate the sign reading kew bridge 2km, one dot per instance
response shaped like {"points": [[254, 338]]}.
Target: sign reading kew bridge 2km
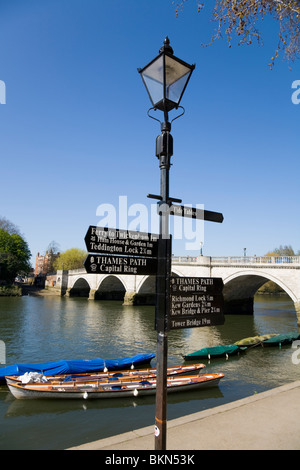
{"points": [[115, 251]]}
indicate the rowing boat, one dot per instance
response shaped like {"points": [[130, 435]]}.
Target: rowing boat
{"points": [[121, 375], [77, 366], [112, 390]]}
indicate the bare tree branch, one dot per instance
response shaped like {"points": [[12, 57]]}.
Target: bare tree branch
{"points": [[239, 18]]}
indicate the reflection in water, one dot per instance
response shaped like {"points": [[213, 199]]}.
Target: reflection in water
{"points": [[51, 328]]}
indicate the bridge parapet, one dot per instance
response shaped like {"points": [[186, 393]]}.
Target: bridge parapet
{"points": [[278, 261]]}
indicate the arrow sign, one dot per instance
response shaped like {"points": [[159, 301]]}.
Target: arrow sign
{"points": [[185, 211], [107, 264]]}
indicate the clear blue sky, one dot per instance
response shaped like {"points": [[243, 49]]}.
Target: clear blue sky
{"points": [[74, 132]]}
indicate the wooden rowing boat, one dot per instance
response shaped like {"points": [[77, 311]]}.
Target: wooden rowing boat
{"points": [[63, 367], [92, 377], [111, 390]]}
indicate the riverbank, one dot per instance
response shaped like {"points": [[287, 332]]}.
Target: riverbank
{"points": [[35, 291], [19, 290], [10, 291], [265, 421]]}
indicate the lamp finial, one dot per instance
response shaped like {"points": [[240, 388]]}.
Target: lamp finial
{"points": [[166, 47]]}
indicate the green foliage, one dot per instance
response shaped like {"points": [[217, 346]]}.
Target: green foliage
{"points": [[10, 291], [70, 259], [14, 256]]}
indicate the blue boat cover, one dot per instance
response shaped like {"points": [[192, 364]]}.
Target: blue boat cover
{"points": [[75, 367]]}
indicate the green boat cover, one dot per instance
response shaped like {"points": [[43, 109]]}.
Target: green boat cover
{"points": [[215, 351], [282, 339]]}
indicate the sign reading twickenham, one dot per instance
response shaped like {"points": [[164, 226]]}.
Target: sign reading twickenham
{"points": [[115, 251]]}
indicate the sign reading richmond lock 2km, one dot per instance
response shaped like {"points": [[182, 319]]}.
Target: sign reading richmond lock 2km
{"points": [[195, 302]]}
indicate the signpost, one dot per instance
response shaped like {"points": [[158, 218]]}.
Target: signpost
{"points": [[165, 78], [195, 302]]}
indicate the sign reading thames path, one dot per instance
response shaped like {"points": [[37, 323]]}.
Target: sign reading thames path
{"points": [[195, 302], [115, 251]]}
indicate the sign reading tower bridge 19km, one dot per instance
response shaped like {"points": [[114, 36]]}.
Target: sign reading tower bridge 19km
{"points": [[195, 302]]}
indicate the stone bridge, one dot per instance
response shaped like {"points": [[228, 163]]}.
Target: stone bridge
{"points": [[242, 277]]}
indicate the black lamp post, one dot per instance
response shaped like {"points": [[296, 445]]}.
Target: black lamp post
{"points": [[165, 79]]}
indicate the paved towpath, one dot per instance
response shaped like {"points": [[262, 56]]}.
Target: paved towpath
{"points": [[266, 421]]}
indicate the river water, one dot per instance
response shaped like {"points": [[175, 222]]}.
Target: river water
{"points": [[40, 329]]}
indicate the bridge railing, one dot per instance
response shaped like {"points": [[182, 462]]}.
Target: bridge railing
{"points": [[231, 260], [256, 260]]}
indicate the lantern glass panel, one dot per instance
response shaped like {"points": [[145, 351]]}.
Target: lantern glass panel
{"points": [[154, 80], [177, 76]]}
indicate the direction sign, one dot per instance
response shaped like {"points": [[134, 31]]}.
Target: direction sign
{"points": [[185, 211], [108, 264], [121, 242], [195, 302]]}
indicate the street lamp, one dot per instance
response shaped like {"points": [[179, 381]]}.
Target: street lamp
{"points": [[165, 79]]}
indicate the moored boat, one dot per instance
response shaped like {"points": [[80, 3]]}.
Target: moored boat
{"points": [[122, 375], [281, 339], [76, 367], [252, 341], [112, 390], [215, 352]]}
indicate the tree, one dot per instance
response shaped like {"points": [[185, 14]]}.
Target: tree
{"points": [[14, 256], [70, 259], [53, 248], [240, 18], [286, 250], [53, 254], [8, 226]]}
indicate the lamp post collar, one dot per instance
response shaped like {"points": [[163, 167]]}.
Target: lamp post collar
{"points": [[166, 47]]}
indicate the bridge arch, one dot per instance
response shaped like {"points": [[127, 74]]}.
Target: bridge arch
{"points": [[145, 292], [80, 288], [176, 272], [110, 288], [240, 288]]}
